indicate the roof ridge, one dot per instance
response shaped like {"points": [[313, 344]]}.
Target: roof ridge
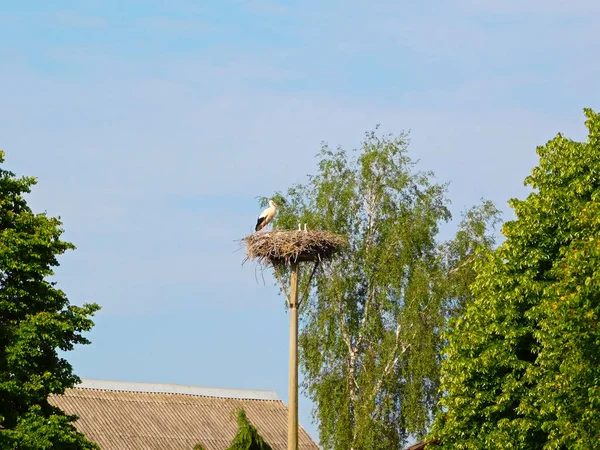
{"points": [[164, 388]]}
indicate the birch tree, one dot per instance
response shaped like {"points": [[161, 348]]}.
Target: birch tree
{"points": [[370, 327]]}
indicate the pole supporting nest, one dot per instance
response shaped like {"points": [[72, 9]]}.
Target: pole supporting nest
{"points": [[284, 249], [293, 362]]}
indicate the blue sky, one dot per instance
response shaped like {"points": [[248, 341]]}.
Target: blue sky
{"points": [[153, 125]]}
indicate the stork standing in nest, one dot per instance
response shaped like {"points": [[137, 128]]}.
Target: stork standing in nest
{"points": [[266, 216]]}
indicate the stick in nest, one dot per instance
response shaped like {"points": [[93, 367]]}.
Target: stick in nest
{"points": [[292, 246]]}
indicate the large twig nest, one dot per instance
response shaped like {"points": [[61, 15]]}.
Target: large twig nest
{"points": [[291, 246]]}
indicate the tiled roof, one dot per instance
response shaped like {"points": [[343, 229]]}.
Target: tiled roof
{"points": [[120, 416]]}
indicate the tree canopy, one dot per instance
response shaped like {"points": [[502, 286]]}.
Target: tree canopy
{"points": [[370, 328], [522, 367], [36, 320]]}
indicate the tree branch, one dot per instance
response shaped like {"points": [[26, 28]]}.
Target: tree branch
{"points": [[307, 288], [461, 265], [364, 318], [344, 331], [282, 285], [392, 362], [351, 355]]}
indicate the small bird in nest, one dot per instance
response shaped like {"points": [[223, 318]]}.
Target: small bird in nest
{"points": [[266, 216]]}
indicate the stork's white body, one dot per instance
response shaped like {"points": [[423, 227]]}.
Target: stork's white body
{"points": [[266, 216]]}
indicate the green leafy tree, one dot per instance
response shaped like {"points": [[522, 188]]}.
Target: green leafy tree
{"points": [[370, 327], [247, 437], [522, 367], [36, 319]]}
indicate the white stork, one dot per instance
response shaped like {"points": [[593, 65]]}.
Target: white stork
{"points": [[266, 216]]}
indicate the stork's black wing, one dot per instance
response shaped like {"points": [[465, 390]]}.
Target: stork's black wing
{"points": [[259, 223]]}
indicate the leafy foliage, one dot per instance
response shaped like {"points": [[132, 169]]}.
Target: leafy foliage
{"points": [[247, 437], [370, 328], [36, 319], [523, 364]]}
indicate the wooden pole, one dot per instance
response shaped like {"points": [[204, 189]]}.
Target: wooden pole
{"points": [[293, 364]]}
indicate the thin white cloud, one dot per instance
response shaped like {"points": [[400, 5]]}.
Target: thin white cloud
{"points": [[71, 19], [534, 6], [109, 181], [267, 7], [465, 41], [9, 19], [114, 148], [178, 26]]}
